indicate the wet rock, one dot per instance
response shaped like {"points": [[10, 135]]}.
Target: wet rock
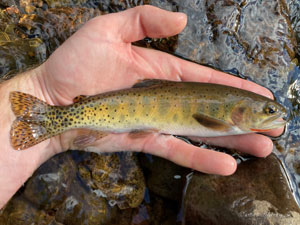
{"points": [[19, 212], [27, 40], [155, 211], [7, 3], [64, 3], [82, 206], [110, 6], [258, 193], [22, 53], [3, 216], [116, 176], [294, 15], [50, 184], [171, 179]]}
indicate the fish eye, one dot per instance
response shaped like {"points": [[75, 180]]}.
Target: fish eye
{"points": [[270, 109]]}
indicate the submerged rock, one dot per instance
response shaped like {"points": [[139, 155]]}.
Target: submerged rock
{"points": [[19, 211], [258, 193], [28, 38], [294, 15], [115, 176], [51, 183], [171, 179], [82, 206]]}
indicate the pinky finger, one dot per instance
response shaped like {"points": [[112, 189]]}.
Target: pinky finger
{"points": [[165, 146], [188, 155]]}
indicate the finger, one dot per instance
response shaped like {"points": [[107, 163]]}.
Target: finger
{"points": [[254, 144], [164, 146], [166, 66], [276, 132], [139, 22], [188, 155]]}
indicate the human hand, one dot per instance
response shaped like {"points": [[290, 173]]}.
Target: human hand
{"points": [[100, 58]]}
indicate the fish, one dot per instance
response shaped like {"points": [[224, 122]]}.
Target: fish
{"points": [[189, 109]]}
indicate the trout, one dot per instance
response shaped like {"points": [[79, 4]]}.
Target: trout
{"points": [[168, 107]]}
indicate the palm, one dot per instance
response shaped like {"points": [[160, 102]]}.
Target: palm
{"points": [[92, 61]]}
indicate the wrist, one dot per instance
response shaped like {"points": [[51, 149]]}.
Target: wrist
{"points": [[18, 166]]}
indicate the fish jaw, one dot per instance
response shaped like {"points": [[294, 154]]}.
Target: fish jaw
{"points": [[271, 123]]}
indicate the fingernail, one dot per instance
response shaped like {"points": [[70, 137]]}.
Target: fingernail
{"points": [[181, 15], [230, 167]]}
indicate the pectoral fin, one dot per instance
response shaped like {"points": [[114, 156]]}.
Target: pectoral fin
{"points": [[141, 133], [211, 123]]}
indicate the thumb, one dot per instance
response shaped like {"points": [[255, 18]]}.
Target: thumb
{"points": [[139, 22]]}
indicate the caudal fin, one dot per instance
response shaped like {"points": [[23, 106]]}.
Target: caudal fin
{"points": [[29, 127]]}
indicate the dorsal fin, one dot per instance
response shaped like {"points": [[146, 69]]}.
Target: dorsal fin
{"points": [[150, 82], [211, 123], [79, 98]]}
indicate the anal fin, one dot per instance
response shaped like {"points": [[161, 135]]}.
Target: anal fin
{"points": [[86, 137]]}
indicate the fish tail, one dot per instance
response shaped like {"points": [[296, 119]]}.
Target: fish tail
{"points": [[30, 126]]}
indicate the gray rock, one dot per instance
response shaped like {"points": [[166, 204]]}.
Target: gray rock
{"points": [[258, 193]]}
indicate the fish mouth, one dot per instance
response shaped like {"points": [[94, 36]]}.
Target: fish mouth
{"points": [[275, 121]]}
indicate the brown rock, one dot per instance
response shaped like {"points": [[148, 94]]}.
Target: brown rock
{"points": [[171, 179], [82, 206], [116, 176], [19, 211], [51, 182]]}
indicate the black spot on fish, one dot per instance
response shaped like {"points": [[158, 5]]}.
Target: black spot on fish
{"points": [[242, 109]]}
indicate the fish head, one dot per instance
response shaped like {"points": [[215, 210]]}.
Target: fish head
{"points": [[258, 115]]}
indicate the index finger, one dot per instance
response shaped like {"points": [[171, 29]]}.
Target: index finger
{"points": [[166, 66], [194, 72]]}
